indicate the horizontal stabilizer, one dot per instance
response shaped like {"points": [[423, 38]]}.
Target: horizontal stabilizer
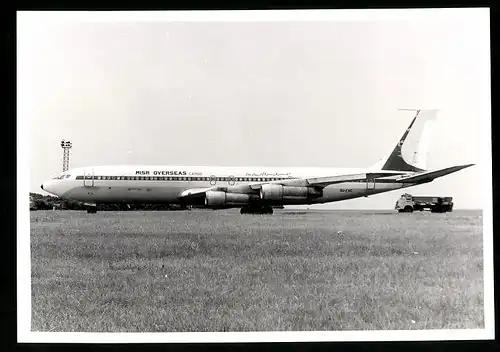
{"points": [[431, 175]]}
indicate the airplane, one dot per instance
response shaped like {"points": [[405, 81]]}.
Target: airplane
{"points": [[256, 190]]}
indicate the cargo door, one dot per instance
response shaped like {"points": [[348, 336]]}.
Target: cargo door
{"points": [[88, 178], [213, 180]]}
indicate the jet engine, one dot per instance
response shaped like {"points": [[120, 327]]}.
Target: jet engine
{"points": [[223, 199], [279, 192]]}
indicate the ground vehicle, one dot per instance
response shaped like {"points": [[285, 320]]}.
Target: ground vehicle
{"points": [[408, 203]]}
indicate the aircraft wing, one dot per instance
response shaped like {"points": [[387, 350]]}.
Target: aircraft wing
{"points": [[431, 175], [327, 180], [330, 180], [320, 182]]}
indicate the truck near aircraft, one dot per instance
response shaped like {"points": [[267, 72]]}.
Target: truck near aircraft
{"points": [[408, 203]]}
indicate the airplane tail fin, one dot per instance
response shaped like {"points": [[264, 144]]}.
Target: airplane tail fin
{"points": [[410, 154]]}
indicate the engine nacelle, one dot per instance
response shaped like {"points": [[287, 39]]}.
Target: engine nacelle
{"points": [[221, 199], [279, 192]]}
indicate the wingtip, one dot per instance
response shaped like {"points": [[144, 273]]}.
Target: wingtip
{"points": [[461, 167]]}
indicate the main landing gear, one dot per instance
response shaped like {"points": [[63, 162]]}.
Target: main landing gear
{"points": [[256, 210]]}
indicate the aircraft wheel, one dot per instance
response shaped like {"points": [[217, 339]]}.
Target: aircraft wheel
{"points": [[267, 210], [92, 210]]}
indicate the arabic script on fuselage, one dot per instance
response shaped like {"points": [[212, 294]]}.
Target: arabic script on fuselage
{"points": [[265, 174]]}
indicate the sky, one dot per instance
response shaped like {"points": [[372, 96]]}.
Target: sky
{"points": [[261, 91]]}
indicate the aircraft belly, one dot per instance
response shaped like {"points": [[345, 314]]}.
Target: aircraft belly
{"points": [[147, 192]]}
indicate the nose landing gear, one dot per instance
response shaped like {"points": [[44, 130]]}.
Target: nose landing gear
{"points": [[92, 209]]}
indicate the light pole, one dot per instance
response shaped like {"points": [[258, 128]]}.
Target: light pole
{"points": [[66, 145]]}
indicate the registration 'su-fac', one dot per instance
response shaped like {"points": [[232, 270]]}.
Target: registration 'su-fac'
{"points": [[253, 189]]}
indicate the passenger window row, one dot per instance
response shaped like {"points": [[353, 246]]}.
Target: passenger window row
{"points": [[179, 178]]}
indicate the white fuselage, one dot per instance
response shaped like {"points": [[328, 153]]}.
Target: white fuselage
{"points": [[164, 184]]}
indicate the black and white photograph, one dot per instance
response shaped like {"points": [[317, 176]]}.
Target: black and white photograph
{"points": [[244, 176]]}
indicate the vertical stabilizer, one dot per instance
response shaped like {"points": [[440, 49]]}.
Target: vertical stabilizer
{"points": [[411, 152]]}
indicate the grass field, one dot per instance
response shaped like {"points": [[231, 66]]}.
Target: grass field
{"points": [[220, 271]]}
